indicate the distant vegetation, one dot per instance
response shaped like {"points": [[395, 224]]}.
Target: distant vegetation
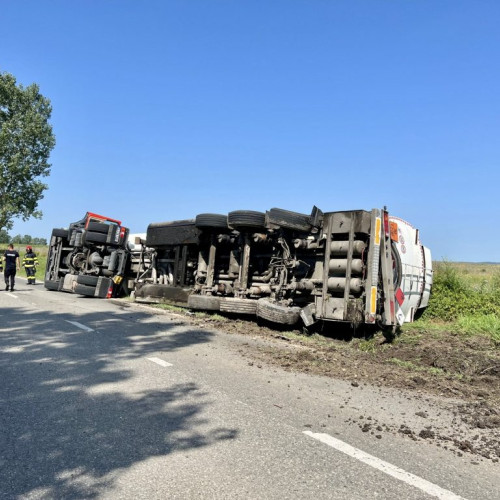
{"points": [[41, 253], [20, 239]]}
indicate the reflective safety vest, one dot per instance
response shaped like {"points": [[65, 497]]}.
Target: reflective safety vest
{"points": [[30, 260]]}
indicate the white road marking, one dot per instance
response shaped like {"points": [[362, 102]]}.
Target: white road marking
{"points": [[159, 361], [422, 484], [12, 295], [79, 325]]}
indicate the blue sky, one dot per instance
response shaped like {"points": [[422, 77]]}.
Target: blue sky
{"points": [[166, 109]]}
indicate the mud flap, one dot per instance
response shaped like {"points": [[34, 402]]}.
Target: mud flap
{"points": [[102, 287], [307, 315]]}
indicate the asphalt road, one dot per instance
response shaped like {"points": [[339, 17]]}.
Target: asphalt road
{"points": [[103, 401]]}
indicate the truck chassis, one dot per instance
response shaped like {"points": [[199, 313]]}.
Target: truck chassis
{"points": [[357, 267]]}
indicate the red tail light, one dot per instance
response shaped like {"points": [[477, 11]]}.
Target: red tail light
{"points": [[386, 223]]}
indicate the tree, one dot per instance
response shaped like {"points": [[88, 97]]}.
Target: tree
{"points": [[26, 140], [4, 236]]}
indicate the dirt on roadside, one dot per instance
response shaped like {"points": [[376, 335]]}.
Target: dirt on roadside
{"points": [[464, 371]]}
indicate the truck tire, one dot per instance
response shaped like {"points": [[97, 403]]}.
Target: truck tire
{"points": [[277, 313], [238, 306], [204, 302], [98, 227], [207, 221], [173, 233], [86, 279], [87, 290], [52, 285], [289, 220], [93, 237], [61, 233], [246, 218]]}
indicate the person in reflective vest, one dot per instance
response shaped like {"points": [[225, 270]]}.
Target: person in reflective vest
{"points": [[30, 262]]}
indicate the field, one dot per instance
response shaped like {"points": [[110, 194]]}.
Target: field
{"points": [[41, 253]]}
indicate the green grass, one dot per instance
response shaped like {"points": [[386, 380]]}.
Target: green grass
{"points": [[170, 307], [410, 366], [41, 253], [465, 299]]}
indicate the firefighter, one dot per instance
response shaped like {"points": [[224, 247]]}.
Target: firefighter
{"points": [[30, 262], [11, 260]]}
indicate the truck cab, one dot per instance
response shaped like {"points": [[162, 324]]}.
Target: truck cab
{"points": [[89, 258]]}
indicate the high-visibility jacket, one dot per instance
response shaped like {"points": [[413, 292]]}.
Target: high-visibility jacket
{"points": [[30, 260]]}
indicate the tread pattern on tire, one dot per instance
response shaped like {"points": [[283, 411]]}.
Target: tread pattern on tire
{"points": [[288, 219], [246, 218], [94, 237], [62, 233], [98, 227], [85, 290], [204, 302], [238, 306], [52, 285], [86, 279], [207, 221], [277, 313]]}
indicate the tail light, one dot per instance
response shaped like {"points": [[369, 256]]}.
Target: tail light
{"points": [[386, 223]]}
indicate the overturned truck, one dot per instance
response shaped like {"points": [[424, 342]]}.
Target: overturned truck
{"points": [[359, 267], [91, 257]]}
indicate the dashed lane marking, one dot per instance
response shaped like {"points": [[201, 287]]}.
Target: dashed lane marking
{"points": [[159, 361], [408, 478], [12, 295], [79, 325]]}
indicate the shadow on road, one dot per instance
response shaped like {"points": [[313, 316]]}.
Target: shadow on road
{"points": [[65, 426]]}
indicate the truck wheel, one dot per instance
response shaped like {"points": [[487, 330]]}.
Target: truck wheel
{"points": [[93, 237], [84, 290], [85, 279], [289, 220], [246, 218], [277, 313], [52, 284], [61, 233], [98, 227], [211, 220], [238, 306]]}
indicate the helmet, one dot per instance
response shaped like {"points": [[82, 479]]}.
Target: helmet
{"points": [[28, 248]]}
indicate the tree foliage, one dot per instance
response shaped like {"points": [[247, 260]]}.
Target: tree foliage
{"points": [[4, 236], [27, 239], [26, 140]]}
